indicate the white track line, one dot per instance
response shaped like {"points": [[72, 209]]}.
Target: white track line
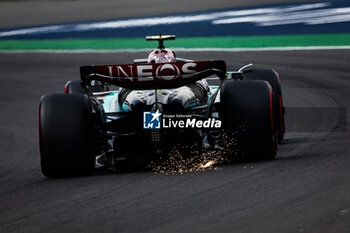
{"points": [[79, 51]]}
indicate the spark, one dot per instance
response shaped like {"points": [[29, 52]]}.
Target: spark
{"points": [[208, 164]]}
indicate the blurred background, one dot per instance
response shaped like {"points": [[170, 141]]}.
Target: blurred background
{"points": [[107, 24]]}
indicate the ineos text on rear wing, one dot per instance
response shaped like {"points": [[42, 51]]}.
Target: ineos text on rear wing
{"points": [[153, 76]]}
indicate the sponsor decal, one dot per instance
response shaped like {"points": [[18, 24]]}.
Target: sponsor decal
{"points": [[151, 72], [161, 69], [157, 120]]}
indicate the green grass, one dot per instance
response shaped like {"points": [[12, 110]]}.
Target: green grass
{"points": [[191, 42]]}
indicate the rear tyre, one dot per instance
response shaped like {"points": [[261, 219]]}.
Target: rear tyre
{"points": [[74, 87], [247, 119], [66, 135], [272, 77]]}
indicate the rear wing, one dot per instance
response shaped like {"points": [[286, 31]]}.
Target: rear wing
{"points": [[153, 76]]}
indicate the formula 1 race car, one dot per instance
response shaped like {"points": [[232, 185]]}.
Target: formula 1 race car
{"points": [[121, 115]]}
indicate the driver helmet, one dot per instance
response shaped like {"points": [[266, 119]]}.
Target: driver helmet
{"points": [[161, 56]]}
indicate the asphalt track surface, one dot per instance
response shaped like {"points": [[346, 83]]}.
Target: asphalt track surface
{"points": [[306, 189]]}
